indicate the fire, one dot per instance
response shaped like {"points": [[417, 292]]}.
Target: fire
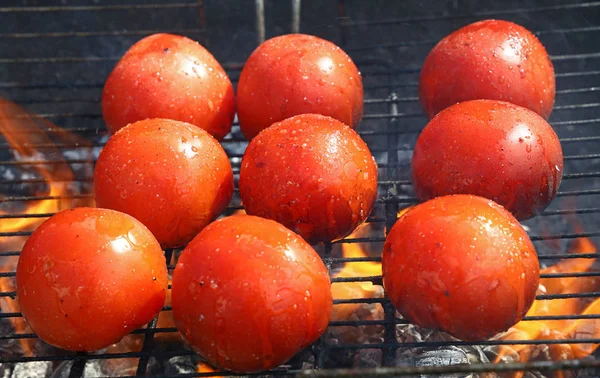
{"points": [[23, 132], [560, 329], [349, 290], [203, 367]]}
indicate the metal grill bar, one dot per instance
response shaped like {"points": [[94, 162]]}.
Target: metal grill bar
{"points": [[571, 211], [60, 85], [13, 294], [481, 14], [569, 176], [540, 297], [81, 59], [95, 8], [42, 181], [104, 33], [378, 279], [321, 348], [398, 321], [432, 42], [147, 347], [92, 161], [452, 369], [347, 260], [101, 130], [425, 344], [339, 323], [99, 356], [365, 117], [574, 74]]}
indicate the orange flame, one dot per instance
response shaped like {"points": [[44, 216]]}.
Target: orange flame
{"points": [[203, 367], [23, 132], [349, 290], [563, 328], [525, 330]]}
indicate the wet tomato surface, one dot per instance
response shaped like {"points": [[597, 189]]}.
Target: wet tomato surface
{"points": [[490, 59], [87, 277], [169, 76], [311, 173], [461, 264], [296, 74], [249, 293], [172, 176], [493, 149]]}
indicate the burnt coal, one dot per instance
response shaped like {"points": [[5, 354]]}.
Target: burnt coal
{"points": [[437, 356], [177, 365], [32, 369], [92, 368]]}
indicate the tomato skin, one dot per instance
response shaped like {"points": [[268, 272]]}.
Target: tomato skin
{"points": [[296, 74], [87, 277], [169, 76], [493, 149], [172, 176], [311, 173], [490, 59], [248, 294], [461, 264]]}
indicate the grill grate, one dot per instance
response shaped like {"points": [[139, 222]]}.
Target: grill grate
{"points": [[55, 58]]}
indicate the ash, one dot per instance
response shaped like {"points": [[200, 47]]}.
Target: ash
{"points": [[437, 356]]}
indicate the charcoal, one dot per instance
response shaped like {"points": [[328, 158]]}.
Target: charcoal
{"points": [[32, 369], [5, 370], [92, 369], [181, 365], [368, 358], [437, 356]]}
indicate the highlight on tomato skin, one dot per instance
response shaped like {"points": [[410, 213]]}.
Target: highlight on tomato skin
{"points": [[172, 176], [311, 173], [297, 74], [489, 59], [461, 264], [169, 76], [87, 277], [492, 149], [248, 294]]}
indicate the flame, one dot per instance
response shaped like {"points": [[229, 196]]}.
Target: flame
{"points": [[22, 133], [525, 330], [203, 367], [403, 211], [560, 329], [350, 290]]}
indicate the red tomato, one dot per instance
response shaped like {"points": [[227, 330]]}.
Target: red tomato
{"points": [[87, 277], [248, 294], [461, 264], [491, 59], [493, 149], [169, 76], [295, 74], [172, 176], [311, 173]]}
